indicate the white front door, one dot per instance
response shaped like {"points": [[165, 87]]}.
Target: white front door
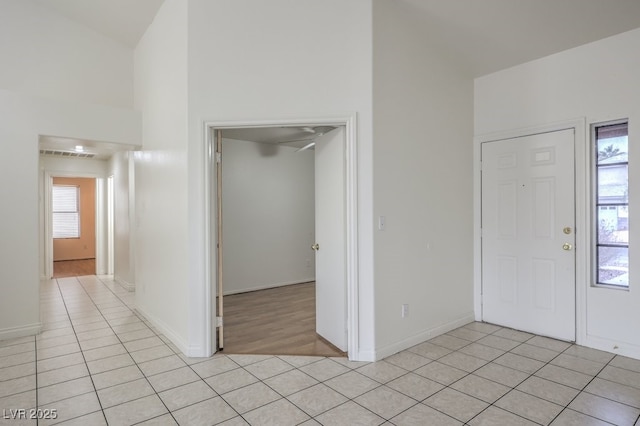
{"points": [[331, 307], [528, 234]]}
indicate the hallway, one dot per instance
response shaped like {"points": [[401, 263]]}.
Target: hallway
{"points": [[98, 362]]}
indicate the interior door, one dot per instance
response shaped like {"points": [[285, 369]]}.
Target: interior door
{"points": [[331, 310], [528, 234]]}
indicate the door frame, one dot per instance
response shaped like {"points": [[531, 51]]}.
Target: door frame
{"points": [[100, 202], [582, 212], [351, 216]]}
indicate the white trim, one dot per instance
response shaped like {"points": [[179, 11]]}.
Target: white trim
{"points": [[46, 205], [351, 207], [423, 336], [124, 283], [582, 214], [22, 331], [169, 334]]}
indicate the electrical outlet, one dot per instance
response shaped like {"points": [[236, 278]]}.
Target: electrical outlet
{"points": [[405, 310]]}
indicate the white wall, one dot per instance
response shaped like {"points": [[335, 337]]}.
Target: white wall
{"points": [[161, 223], [22, 120], [597, 82], [422, 114], [282, 59], [120, 167], [268, 216], [45, 54]]}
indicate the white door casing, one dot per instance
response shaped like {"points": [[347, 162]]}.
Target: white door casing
{"points": [[331, 308], [528, 233]]}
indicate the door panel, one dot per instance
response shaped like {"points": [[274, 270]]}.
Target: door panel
{"points": [[331, 311], [528, 277]]}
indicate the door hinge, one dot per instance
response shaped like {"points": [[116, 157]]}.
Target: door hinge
{"points": [[219, 322], [218, 157]]}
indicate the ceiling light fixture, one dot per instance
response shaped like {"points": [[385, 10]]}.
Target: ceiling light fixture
{"points": [[79, 148]]}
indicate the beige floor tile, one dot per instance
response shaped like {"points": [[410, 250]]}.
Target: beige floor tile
{"points": [[268, 368], [621, 376], [382, 371], [548, 343], [214, 366], [529, 407], [164, 420], [351, 414], [483, 327], [104, 352], [93, 419], [244, 360], [48, 334], [324, 369], [95, 334], [352, 384], [421, 415], [56, 341], [18, 349], [149, 342], [590, 354], [467, 334], [230, 381], [441, 373], [17, 359], [150, 354], [81, 328], [172, 379], [188, 394], [136, 335], [21, 340], [564, 376], [484, 352], [535, 352], [125, 392], [116, 377], [346, 362], [429, 350], [17, 371], [508, 333], [108, 364], [72, 408], [462, 361], [415, 386], [385, 402], [24, 400], [205, 413], [58, 351], [290, 382], [300, 360], [548, 390], [19, 385], [135, 411], [456, 404], [317, 399], [60, 362], [449, 342], [239, 421], [63, 374], [408, 360], [134, 326], [498, 342], [250, 397], [494, 416], [99, 342], [573, 418], [605, 409], [580, 365], [481, 388], [161, 365], [626, 363], [614, 391], [278, 413], [517, 362]]}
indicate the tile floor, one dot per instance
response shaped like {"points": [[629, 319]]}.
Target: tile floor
{"points": [[97, 362]]}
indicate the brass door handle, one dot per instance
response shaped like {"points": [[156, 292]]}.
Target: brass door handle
{"points": [[315, 247], [567, 246]]}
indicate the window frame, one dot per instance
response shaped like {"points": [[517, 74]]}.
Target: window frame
{"points": [[77, 212], [596, 205]]}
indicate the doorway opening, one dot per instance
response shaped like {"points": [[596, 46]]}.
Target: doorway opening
{"points": [[263, 219]]}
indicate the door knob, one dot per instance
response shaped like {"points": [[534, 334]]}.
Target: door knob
{"points": [[315, 247], [567, 246]]}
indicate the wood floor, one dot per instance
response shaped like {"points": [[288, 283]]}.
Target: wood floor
{"points": [[279, 321], [74, 268]]}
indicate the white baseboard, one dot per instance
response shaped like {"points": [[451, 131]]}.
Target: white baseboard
{"points": [[268, 286], [422, 336], [619, 348], [124, 283], [166, 331], [22, 331]]}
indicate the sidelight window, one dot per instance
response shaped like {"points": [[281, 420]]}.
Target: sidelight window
{"points": [[611, 160]]}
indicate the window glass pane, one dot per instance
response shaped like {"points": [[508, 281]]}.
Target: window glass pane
{"points": [[613, 265], [613, 184], [66, 218], [613, 225]]}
